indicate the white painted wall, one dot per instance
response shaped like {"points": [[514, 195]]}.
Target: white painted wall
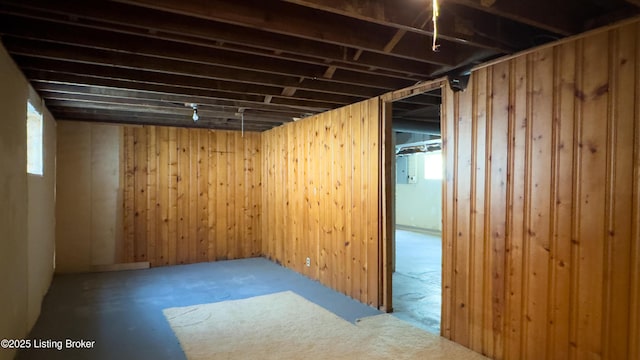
{"points": [[89, 204], [419, 205], [27, 223], [41, 222]]}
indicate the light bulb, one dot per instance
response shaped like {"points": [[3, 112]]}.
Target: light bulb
{"points": [[195, 115]]}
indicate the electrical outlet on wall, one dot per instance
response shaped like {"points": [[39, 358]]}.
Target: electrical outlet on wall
{"points": [[308, 262]]}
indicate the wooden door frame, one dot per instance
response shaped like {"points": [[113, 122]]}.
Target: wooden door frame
{"points": [[386, 199]]}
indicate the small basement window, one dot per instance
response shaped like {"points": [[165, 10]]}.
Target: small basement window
{"points": [[34, 141], [433, 165]]}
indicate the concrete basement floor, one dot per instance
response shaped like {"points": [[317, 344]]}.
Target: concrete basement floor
{"points": [[417, 281], [122, 311]]}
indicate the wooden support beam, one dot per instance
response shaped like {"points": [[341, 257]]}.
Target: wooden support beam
{"points": [[357, 55], [328, 74], [394, 40], [288, 91]]}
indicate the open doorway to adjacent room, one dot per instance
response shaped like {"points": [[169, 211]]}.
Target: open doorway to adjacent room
{"points": [[416, 249]]}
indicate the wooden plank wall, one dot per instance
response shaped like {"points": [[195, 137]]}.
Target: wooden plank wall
{"points": [[320, 195], [190, 195], [542, 203]]}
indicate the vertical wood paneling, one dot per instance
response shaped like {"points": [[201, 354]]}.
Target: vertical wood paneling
{"points": [[140, 169], [173, 196], [365, 294], [564, 103], [634, 314], [540, 212], [152, 192], [190, 195], [496, 230], [194, 181], [463, 222], [373, 203], [550, 269], [450, 156], [478, 213], [320, 178], [222, 194], [621, 149], [517, 174], [212, 188], [162, 240], [128, 249], [202, 249], [357, 200], [593, 181], [182, 198]]}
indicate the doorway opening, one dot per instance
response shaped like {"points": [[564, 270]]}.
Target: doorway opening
{"points": [[416, 236]]}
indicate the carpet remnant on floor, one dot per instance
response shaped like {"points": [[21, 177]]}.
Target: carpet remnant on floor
{"points": [[287, 326]]}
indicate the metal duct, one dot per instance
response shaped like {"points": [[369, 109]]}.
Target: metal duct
{"points": [[412, 126]]}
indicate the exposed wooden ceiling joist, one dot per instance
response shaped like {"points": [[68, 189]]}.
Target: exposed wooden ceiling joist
{"points": [[414, 16], [53, 91], [545, 14], [299, 21], [122, 19], [141, 61], [222, 77], [68, 79]]}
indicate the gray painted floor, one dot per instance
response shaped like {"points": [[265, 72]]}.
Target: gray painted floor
{"points": [[417, 281], [122, 311]]}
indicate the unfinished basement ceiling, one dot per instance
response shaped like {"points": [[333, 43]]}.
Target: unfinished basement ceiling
{"points": [[267, 61]]}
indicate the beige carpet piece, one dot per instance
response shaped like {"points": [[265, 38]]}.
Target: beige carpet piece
{"points": [[287, 326]]}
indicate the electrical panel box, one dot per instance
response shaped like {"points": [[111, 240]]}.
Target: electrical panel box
{"points": [[402, 168]]}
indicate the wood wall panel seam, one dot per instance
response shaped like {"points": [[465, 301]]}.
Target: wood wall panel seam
{"points": [[487, 336], [454, 218], [553, 245], [609, 192], [576, 209], [634, 298], [509, 236], [472, 220]]}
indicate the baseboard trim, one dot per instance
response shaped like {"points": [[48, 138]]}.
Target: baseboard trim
{"points": [[120, 267]]}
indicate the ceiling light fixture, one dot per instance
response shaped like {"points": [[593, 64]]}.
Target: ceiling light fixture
{"points": [[195, 116]]}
